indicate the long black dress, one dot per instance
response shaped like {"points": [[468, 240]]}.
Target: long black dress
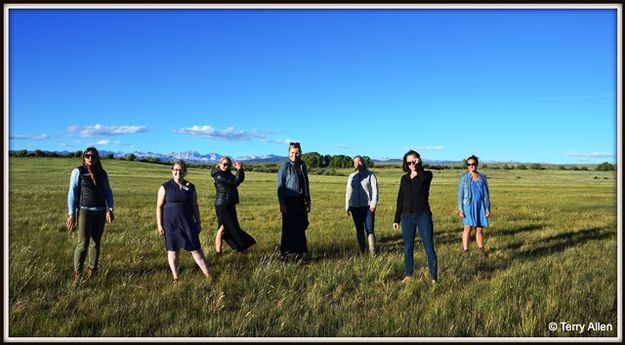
{"points": [[180, 228], [226, 198], [295, 222]]}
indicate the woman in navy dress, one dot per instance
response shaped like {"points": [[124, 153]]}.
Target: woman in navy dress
{"points": [[178, 219], [226, 198], [473, 204]]}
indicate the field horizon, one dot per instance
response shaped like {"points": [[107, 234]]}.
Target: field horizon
{"points": [[552, 258]]}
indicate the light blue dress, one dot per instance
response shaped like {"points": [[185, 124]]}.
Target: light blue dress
{"points": [[475, 211]]}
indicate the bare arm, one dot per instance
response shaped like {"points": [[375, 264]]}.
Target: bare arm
{"points": [[160, 202]]}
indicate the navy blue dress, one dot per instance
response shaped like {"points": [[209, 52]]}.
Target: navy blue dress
{"points": [[180, 228]]}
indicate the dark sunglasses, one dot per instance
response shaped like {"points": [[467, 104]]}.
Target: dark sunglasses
{"points": [[89, 156], [225, 164], [471, 164], [412, 163], [294, 143]]}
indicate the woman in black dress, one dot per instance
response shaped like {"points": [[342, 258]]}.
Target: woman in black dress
{"points": [[226, 198], [178, 219]]}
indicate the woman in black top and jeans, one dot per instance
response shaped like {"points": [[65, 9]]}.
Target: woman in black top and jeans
{"points": [[413, 211]]}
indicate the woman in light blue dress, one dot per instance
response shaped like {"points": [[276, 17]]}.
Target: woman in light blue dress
{"points": [[473, 204]]}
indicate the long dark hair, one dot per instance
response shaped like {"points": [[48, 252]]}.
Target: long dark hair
{"points": [[404, 165], [95, 170]]}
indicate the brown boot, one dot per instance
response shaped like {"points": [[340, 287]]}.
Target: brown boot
{"points": [[371, 239]]}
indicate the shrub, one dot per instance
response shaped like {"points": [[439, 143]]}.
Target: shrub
{"points": [[521, 167], [605, 166], [536, 166]]}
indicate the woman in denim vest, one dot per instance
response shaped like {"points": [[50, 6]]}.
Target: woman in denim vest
{"points": [[473, 204], [413, 211], [294, 198]]}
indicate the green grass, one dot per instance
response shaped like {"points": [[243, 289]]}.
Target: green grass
{"points": [[553, 243]]}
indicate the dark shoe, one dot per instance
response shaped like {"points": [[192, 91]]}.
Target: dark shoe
{"points": [[483, 252]]}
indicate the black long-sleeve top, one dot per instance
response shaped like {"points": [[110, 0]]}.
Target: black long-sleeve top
{"points": [[413, 194], [226, 184]]}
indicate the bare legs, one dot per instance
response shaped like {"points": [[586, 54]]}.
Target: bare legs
{"points": [[466, 234], [198, 256], [218, 241], [200, 260], [172, 257]]}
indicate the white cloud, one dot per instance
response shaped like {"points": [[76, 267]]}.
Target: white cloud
{"points": [[230, 133], [103, 142], [29, 137], [98, 129], [341, 146], [585, 156]]}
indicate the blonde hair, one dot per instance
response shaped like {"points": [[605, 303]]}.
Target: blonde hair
{"points": [[225, 158]]}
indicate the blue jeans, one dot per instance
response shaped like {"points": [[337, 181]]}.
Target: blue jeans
{"points": [[364, 220], [409, 224]]}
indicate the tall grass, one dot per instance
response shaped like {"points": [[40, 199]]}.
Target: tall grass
{"points": [[552, 245]]}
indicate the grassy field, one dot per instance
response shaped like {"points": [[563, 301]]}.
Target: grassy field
{"points": [[552, 242]]}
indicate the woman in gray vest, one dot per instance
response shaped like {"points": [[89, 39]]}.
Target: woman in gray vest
{"points": [[361, 199], [90, 203]]}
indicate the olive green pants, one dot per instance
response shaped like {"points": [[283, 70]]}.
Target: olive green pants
{"points": [[90, 229]]}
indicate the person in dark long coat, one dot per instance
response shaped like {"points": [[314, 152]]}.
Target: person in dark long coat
{"points": [[294, 199], [226, 198]]}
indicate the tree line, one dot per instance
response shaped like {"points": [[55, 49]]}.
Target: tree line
{"points": [[321, 164]]}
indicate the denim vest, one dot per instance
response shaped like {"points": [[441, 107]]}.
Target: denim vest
{"points": [[288, 182], [464, 190]]}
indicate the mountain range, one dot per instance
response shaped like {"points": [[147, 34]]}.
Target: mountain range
{"points": [[212, 157]]}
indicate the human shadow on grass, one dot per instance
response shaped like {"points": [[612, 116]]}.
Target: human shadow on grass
{"points": [[541, 247]]}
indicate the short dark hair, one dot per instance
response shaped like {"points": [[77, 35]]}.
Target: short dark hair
{"points": [[477, 161], [404, 163], [364, 164]]}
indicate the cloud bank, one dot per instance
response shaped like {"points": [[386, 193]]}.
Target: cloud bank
{"points": [[29, 137], [99, 130]]}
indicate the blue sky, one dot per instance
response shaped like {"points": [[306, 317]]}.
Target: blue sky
{"points": [[531, 85]]}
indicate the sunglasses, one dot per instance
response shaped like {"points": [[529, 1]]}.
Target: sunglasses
{"points": [[413, 162], [89, 156], [294, 143], [225, 164], [471, 164]]}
